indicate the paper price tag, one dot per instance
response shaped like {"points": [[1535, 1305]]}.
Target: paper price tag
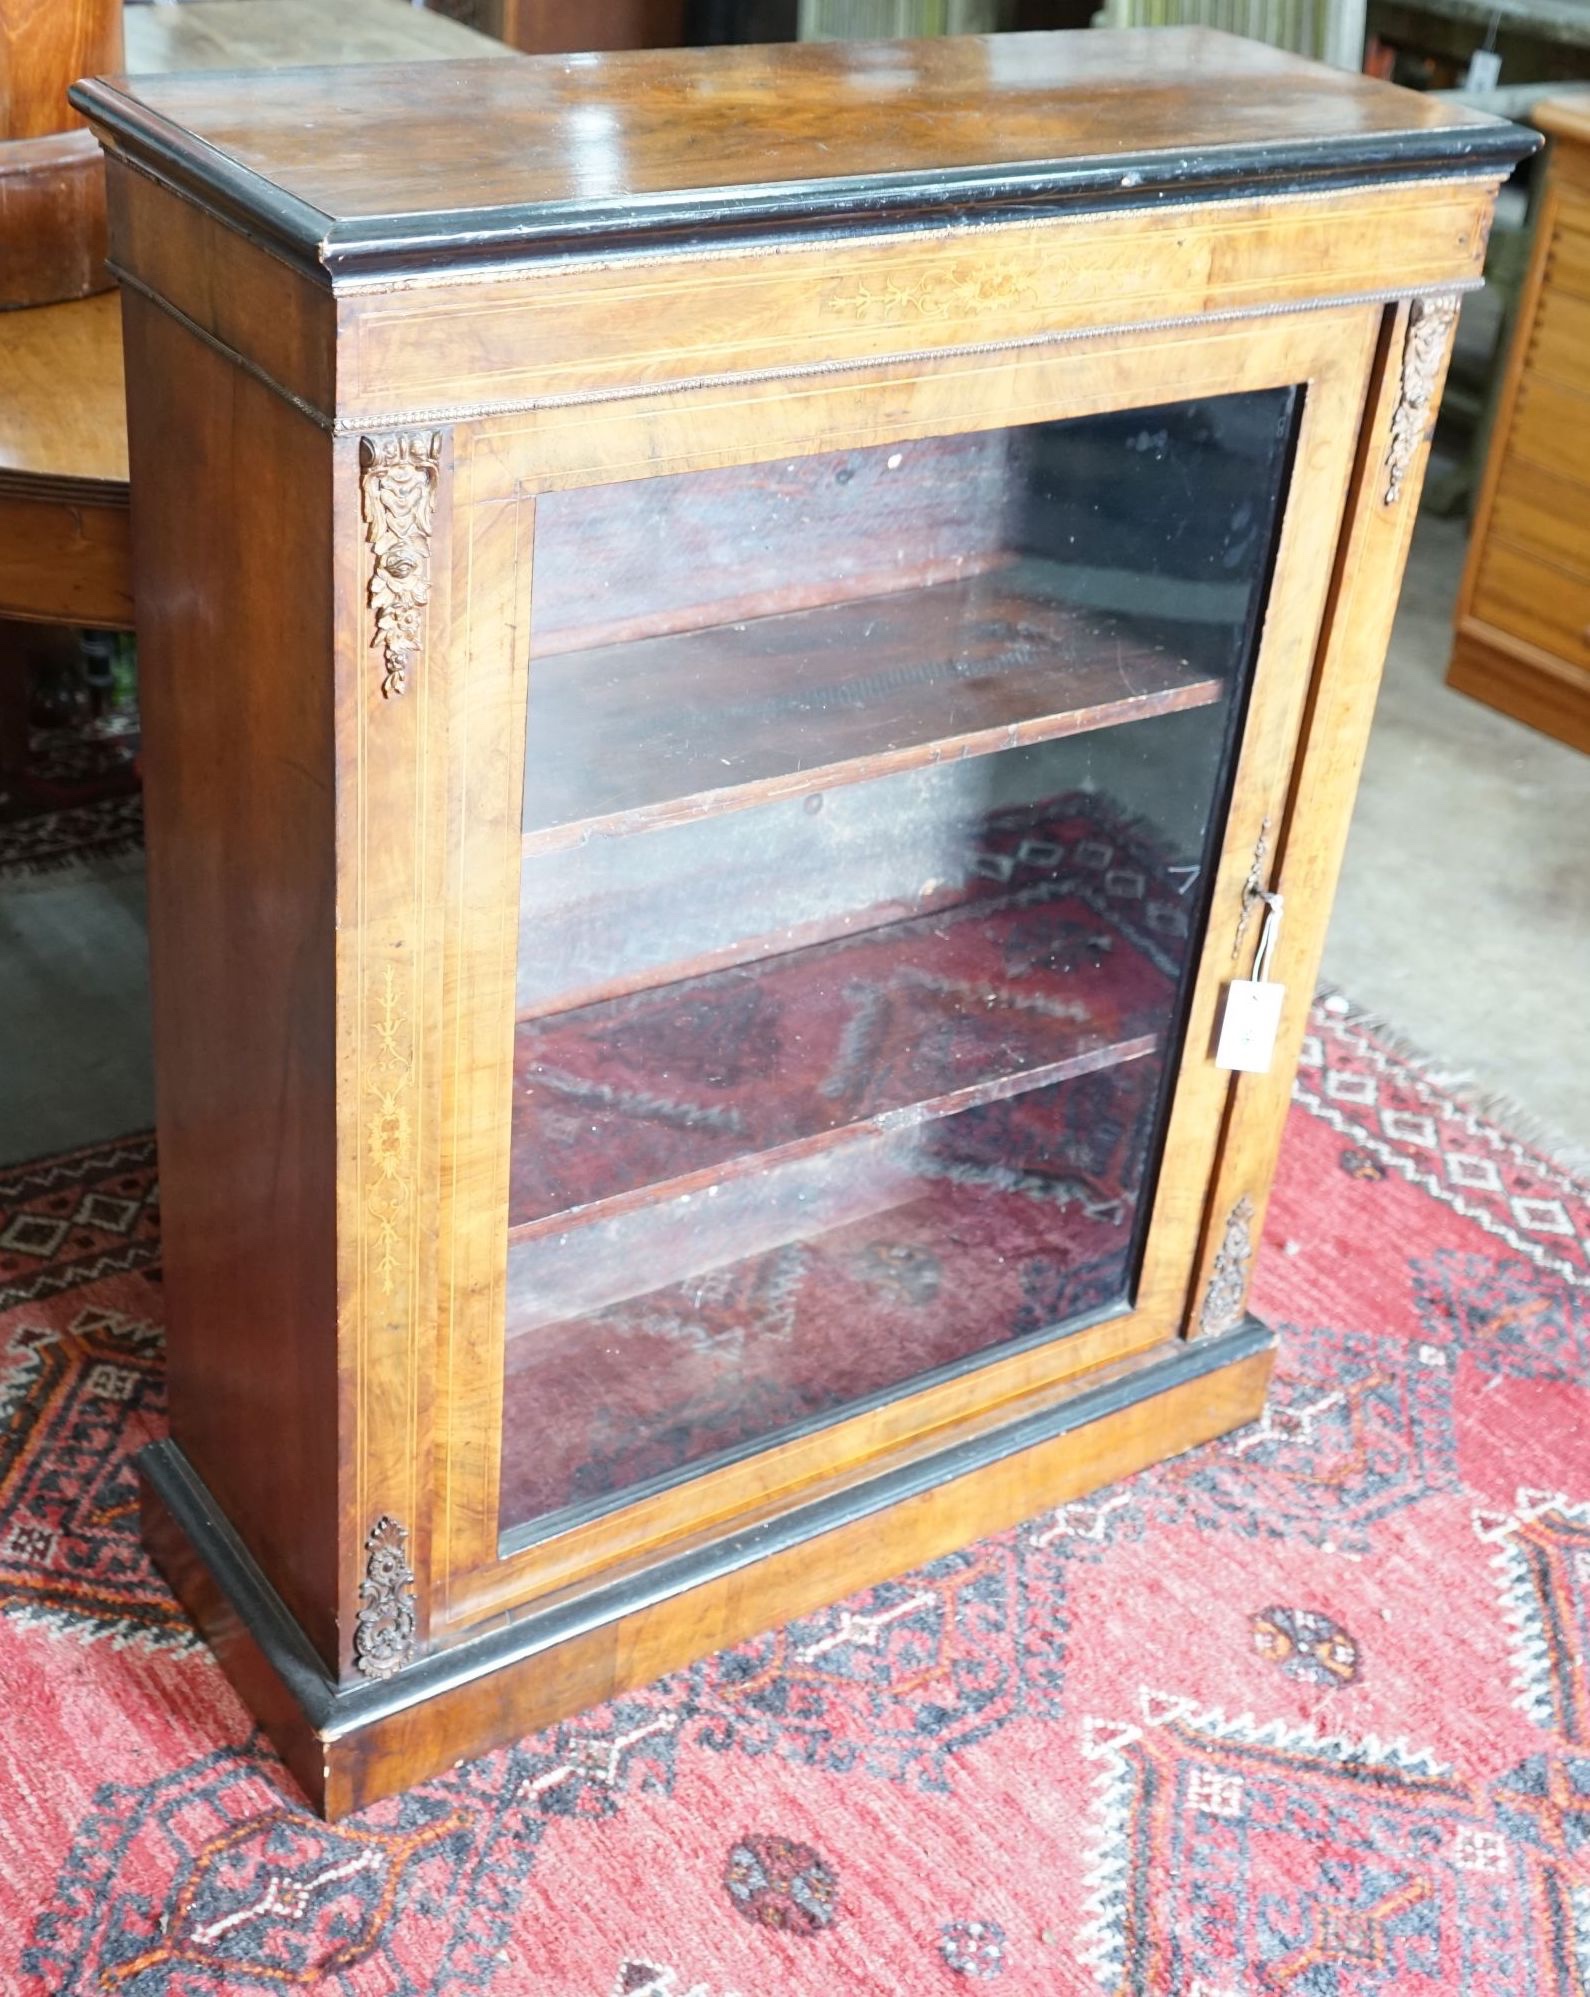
{"points": [[1252, 1015], [1249, 1024]]}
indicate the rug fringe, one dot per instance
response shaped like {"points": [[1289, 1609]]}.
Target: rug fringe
{"points": [[1531, 1129]]}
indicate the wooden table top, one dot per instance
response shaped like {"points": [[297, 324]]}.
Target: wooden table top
{"points": [[397, 164], [63, 416], [63, 421]]}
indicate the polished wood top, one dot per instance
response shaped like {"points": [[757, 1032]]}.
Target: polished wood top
{"points": [[243, 34], [395, 167], [62, 414]]}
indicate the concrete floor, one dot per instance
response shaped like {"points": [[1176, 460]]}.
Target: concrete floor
{"points": [[1463, 917], [74, 1010]]}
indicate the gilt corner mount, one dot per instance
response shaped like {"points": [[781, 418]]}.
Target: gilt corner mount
{"points": [[1430, 323], [383, 1636], [398, 475]]}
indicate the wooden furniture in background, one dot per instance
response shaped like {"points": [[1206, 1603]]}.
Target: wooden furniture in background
{"points": [[1522, 641], [546, 27], [716, 21], [1523, 620], [52, 190], [64, 551], [65, 557], [714, 736]]}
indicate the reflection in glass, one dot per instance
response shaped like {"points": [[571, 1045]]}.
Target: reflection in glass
{"points": [[869, 803]]}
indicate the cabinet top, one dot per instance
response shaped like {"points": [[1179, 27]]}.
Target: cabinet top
{"points": [[395, 167]]}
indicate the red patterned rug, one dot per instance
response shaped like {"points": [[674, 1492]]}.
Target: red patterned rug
{"points": [[77, 805], [1304, 1713], [1054, 969]]}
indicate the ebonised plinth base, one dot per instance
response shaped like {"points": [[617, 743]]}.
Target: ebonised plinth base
{"points": [[351, 1744]]}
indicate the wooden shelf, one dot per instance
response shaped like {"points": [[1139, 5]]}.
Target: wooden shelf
{"points": [[661, 730], [681, 1085], [996, 1088], [676, 1335]]}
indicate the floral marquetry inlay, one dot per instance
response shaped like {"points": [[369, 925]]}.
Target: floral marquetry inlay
{"points": [[932, 295], [398, 477]]}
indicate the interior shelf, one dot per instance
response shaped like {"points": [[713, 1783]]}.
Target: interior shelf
{"points": [[673, 1337], [644, 1098], [660, 730]]}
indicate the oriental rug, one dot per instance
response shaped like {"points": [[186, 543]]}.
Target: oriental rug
{"points": [[1306, 1712], [76, 807], [957, 1103]]}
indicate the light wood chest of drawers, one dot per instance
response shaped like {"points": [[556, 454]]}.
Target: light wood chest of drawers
{"points": [[1523, 617]]}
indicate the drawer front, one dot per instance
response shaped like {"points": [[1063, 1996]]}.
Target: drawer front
{"points": [[1560, 349], [1551, 428], [1542, 513], [1535, 600], [1569, 265]]}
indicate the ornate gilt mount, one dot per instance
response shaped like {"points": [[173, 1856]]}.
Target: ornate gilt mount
{"points": [[1430, 322], [1228, 1279], [383, 1635], [398, 475]]}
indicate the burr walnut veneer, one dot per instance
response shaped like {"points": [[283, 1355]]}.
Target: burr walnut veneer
{"points": [[736, 647]]}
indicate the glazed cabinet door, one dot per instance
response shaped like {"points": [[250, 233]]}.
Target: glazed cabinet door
{"points": [[883, 767], [869, 801]]}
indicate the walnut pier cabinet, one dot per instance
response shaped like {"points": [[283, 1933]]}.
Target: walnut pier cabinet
{"points": [[737, 647]]}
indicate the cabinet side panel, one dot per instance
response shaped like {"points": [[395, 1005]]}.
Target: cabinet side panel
{"points": [[231, 538]]}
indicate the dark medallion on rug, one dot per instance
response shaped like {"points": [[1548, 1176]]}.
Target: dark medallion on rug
{"points": [[1542, 1562], [1511, 1317], [973, 1948], [1307, 1646], [779, 1883], [1196, 1809]]}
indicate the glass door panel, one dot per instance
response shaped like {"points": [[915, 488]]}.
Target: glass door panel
{"points": [[869, 806]]}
